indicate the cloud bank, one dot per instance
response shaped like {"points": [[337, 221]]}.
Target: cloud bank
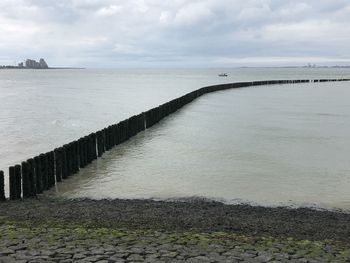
{"points": [[175, 33]]}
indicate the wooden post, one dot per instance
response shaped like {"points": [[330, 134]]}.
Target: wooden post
{"points": [[32, 177], [68, 152], [39, 178], [18, 181], [58, 164], [44, 171], [118, 132], [106, 138], [12, 177], [77, 155], [123, 131], [141, 122], [75, 162], [2, 187], [64, 163], [87, 156], [115, 135], [51, 169], [82, 153], [26, 180], [93, 146], [109, 137], [103, 138], [99, 143]]}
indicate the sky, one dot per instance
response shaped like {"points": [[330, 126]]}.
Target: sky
{"points": [[175, 33]]}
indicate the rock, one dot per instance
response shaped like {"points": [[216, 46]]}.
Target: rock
{"points": [[6, 252], [95, 258], [98, 251], [135, 257], [171, 254], [18, 247], [79, 256], [48, 253], [264, 258], [7, 260]]}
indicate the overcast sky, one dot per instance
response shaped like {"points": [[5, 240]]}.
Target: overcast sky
{"points": [[175, 33]]}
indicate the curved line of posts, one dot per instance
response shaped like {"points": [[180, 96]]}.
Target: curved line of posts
{"points": [[42, 172]]}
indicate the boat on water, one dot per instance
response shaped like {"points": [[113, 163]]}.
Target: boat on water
{"points": [[222, 75]]}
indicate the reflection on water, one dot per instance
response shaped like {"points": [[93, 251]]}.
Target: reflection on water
{"points": [[270, 145]]}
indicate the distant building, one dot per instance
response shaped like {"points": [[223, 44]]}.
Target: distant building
{"points": [[30, 63], [43, 63]]}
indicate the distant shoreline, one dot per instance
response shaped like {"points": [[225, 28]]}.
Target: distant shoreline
{"points": [[7, 67], [240, 67]]}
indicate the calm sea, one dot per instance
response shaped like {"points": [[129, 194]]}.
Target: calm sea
{"points": [[282, 144]]}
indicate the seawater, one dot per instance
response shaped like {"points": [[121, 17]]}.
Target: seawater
{"points": [[271, 145]]}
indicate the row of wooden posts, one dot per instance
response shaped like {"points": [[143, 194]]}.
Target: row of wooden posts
{"points": [[38, 174]]}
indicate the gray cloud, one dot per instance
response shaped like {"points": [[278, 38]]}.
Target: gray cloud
{"points": [[113, 33]]}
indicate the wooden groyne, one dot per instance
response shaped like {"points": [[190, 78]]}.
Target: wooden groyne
{"points": [[42, 172]]}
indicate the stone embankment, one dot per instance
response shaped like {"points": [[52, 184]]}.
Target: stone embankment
{"points": [[58, 230]]}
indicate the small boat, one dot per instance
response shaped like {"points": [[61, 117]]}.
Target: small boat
{"points": [[222, 75]]}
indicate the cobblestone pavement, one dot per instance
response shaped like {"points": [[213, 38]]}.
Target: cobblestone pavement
{"points": [[76, 243]]}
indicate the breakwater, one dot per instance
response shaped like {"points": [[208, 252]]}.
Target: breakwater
{"points": [[44, 171]]}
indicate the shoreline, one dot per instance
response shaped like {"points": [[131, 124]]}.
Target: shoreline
{"points": [[199, 215], [59, 230]]}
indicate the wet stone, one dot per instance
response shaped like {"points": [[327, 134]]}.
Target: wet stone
{"points": [[6, 252], [18, 247], [96, 258], [79, 256], [7, 260], [264, 258], [135, 257]]}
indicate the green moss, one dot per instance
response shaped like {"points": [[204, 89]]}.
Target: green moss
{"points": [[54, 230]]}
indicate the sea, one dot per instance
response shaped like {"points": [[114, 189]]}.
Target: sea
{"points": [[278, 145]]}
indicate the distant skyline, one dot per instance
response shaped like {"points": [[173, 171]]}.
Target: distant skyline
{"points": [[175, 33]]}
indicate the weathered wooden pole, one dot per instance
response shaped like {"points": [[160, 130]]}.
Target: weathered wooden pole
{"points": [[75, 157], [51, 169], [68, 152], [110, 137], [99, 143], [39, 178], [32, 177], [80, 152], [26, 180], [103, 138], [93, 146], [106, 139], [12, 178], [44, 171], [64, 163], [119, 133], [122, 131], [18, 181], [115, 134], [87, 147], [2, 187], [58, 164]]}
